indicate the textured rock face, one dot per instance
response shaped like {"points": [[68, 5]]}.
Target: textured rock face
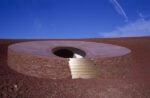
{"points": [[37, 59], [135, 85], [115, 67], [42, 67]]}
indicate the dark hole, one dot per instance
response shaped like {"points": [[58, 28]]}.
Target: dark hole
{"points": [[64, 53]]}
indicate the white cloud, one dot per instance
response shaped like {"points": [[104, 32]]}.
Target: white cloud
{"points": [[140, 27], [141, 15], [119, 9]]}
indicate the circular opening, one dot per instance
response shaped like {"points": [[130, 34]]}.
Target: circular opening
{"points": [[64, 53], [68, 52]]}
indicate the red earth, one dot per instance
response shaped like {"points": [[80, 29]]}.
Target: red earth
{"points": [[135, 85]]}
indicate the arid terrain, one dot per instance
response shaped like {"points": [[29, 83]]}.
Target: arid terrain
{"points": [[135, 85]]}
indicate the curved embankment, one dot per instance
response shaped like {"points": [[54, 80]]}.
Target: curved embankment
{"points": [[50, 59]]}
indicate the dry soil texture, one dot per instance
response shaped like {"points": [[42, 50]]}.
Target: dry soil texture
{"points": [[135, 85]]}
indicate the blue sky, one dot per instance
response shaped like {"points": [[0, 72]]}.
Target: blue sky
{"points": [[74, 18]]}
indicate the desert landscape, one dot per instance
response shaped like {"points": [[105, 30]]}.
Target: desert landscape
{"points": [[136, 84]]}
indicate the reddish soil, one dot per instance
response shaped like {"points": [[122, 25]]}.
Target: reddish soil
{"points": [[135, 85]]}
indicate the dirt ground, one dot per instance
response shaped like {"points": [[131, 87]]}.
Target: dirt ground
{"points": [[135, 85]]}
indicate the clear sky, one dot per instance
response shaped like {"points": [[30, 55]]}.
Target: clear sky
{"points": [[74, 18]]}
